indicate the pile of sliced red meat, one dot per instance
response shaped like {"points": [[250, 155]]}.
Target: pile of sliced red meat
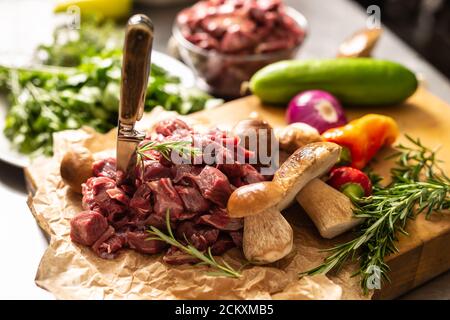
{"points": [[195, 196]]}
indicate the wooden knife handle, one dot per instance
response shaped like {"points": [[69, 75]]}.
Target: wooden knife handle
{"points": [[135, 69]]}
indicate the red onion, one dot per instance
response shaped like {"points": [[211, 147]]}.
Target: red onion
{"points": [[317, 108]]}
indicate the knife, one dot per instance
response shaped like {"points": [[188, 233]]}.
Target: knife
{"points": [[135, 74]]}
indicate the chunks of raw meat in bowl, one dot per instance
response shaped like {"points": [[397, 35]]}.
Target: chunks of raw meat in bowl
{"points": [[227, 41]]}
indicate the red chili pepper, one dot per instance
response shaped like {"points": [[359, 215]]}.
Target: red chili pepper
{"points": [[350, 181]]}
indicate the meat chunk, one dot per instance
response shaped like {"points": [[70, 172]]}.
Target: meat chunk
{"points": [[109, 248], [241, 174], [101, 193], [137, 240], [105, 168], [87, 227], [166, 198], [200, 237], [214, 186], [250, 174], [221, 222], [223, 244], [141, 201], [236, 236], [119, 195], [235, 40], [175, 256], [154, 170], [185, 173], [168, 127], [192, 199]]}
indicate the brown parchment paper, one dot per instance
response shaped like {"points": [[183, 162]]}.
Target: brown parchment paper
{"points": [[71, 271]]}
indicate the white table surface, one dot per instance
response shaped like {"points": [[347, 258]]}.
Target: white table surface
{"points": [[25, 23]]}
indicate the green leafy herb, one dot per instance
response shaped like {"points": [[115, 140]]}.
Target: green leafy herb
{"points": [[81, 87], [69, 46], [418, 185], [206, 258]]}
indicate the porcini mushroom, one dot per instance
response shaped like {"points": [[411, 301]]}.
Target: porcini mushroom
{"points": [[76, 167], [307, 163], [257, 136], [329, 209], [297, 135], [267, 237]]}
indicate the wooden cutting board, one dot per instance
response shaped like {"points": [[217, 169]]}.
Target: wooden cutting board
{"points": [[425, 253]]}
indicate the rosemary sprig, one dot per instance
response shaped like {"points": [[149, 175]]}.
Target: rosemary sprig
{"points": [[183, 148], [206, 258], [418, 185]]}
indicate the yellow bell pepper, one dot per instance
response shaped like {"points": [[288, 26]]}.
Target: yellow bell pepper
{"points": [[114, 9]]}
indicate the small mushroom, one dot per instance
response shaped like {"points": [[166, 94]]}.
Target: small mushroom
{"points": [[330, 210], [268, 237], [257, 136], [297, 135], [76, 167], [360, 44]]}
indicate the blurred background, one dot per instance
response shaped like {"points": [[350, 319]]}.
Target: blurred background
{"points": [[423, 24]]}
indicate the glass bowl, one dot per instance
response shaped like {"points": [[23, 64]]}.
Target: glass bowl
{"points": [[221, 74]]}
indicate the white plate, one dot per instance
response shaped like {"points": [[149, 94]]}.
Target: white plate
{"points": [[174, 67]]}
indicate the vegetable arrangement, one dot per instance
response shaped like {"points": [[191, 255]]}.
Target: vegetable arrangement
{"points": [[80, 88], [418, 185]]}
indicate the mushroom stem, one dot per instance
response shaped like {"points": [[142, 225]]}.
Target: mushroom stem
{"points": [[330, 210], [268, 237]]}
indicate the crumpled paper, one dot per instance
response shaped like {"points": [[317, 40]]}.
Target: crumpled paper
{"points": [[71, 271]]}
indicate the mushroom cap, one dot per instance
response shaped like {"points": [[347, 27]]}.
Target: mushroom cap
{"points": [[254, 198], [243, 126], [297, 135], [76, 167], [255, 135], [305, 164]]}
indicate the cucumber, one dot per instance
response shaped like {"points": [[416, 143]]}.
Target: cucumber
{"points": [[354, 81]]}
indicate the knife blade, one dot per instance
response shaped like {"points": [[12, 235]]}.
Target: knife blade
{"points": [[134, 79]]}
